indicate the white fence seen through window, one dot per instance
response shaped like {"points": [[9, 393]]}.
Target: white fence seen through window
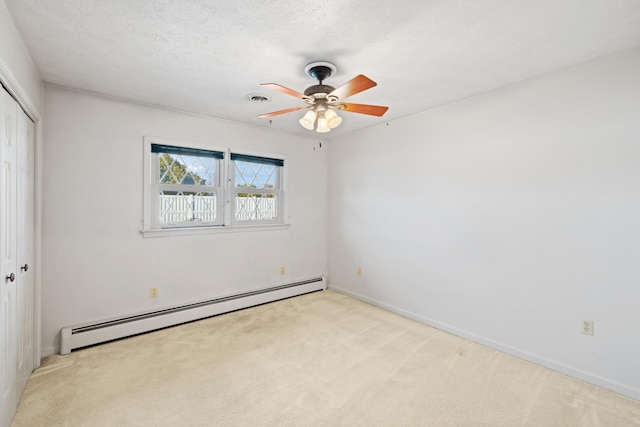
{"points": [[201, 207]]}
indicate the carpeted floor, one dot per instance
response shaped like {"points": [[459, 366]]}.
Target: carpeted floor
{"points": [[321, 359]]}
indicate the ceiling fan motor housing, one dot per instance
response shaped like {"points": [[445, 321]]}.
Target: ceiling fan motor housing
{"points": [[318, 91]]}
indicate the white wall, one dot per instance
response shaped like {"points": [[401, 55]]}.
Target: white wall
{"points": [[506, 218], [17, 70], [97, 265]]}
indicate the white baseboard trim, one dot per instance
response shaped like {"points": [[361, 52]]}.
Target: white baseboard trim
{"points": [[533, 358]]}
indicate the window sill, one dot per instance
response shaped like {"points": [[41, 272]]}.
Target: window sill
{"points": [[189, 231]]}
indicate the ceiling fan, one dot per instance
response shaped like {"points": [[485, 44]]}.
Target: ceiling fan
{"points": [[324, 100]]}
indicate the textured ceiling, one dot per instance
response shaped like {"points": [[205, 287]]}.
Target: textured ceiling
{"points": [[205, 56]]}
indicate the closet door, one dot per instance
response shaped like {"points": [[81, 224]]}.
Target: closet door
{"points": [[26, 249], [8, 259]]}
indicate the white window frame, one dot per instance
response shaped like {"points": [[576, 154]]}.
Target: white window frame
{"points": [[225, 174]]}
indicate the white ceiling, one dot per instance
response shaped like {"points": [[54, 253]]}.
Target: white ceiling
{"points": [[205, 56]]}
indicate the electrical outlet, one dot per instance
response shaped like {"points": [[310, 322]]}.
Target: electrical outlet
{"points": [[153, 292], [283, 270], [587, 327], [359, 271]]}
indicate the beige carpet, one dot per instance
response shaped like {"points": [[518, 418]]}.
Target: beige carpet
{"points": [[321, 359]]}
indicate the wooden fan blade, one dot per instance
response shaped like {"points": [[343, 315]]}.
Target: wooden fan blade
{"points": [[277, 113], [356, 85], [285, 90], [372, 110]]}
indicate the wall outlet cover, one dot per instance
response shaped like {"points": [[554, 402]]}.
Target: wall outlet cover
{"points": [[587, 327]]}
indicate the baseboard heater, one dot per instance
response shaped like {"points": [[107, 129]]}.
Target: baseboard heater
{"points": [[74, 337]]}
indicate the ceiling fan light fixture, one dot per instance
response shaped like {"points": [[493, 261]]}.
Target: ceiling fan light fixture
{"points": [[308, 120], [323, 123], [333, 119]]}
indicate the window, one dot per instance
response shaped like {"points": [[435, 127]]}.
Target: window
{"points": [[187, 184], [189, 187], [257, 189]]}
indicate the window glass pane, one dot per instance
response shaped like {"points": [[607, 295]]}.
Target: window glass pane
{"points": [[186, 170], [256, 189], [179, 206], [180, 174], [255, 175], [260, 207]]}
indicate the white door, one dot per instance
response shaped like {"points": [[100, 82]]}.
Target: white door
{"points": [[26, 249], [8, 259]]}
